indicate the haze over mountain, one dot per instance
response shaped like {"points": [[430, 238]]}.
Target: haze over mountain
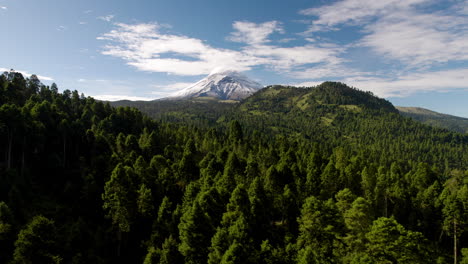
{"points": [[224, 85]]}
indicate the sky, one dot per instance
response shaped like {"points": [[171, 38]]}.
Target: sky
{"points": [[411, 52]]}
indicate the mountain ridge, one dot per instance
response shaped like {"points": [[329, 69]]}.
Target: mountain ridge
{"points": [[433, 118]]}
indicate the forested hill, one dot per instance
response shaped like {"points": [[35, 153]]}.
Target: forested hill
{"points": [[331, 113], [328, 175], [450, 122]]}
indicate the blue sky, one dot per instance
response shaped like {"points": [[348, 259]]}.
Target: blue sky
{"points": [[412, 52]]}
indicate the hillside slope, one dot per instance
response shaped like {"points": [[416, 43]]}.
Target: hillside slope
{"points": [[331, 113], [425, 116]]}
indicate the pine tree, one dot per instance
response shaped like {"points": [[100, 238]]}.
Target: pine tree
{"points": [[169, 252], [195, 231], [319, 230], [37, 243], [119, 202]]}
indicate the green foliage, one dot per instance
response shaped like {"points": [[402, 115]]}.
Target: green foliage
{"points": [[6, 231], [37, 243], [195, 231], [289, 175], [390, 242], [428, 117], [169, 252], [320, 228], [145, 201], [464, 259], [117, 197]]}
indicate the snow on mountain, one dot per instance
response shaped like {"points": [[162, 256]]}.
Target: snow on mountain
{"points": [[224, 85]]}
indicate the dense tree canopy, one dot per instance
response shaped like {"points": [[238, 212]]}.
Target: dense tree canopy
{"points": [[328, 174]]}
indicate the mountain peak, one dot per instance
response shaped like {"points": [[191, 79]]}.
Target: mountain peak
{"points": [[221, 84]]}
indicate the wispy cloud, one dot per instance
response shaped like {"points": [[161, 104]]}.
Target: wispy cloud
{"points": [[169, 89], [61, 28], [304, 84], [173, 86], [252, 33], [439, 81], [145, 47], [398, 29], [419, 40], [354, 12], [110, 97], [3, 7], [107, 18], [330, 71], [82, 23], [27, 74]]}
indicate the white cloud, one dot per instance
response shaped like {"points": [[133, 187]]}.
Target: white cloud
{"points": [[82, 23], [27, 74], [87, 11], [286, 40], [327, 71], [252, 33], [172, 86], [287, 59], [109, 97], [61, 28], [146, 48], [419, 40], [107, 18], [304, 84], [169, 89], [354, 12], [398, 30], [3, 7], [439, 81]]}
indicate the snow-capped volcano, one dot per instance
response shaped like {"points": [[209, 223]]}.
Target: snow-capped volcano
{"points": [[225, 85]]}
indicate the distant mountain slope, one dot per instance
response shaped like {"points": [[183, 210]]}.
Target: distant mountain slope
{"points": [[331, 113], [226, 85], [450, 122], [200, 111]]}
